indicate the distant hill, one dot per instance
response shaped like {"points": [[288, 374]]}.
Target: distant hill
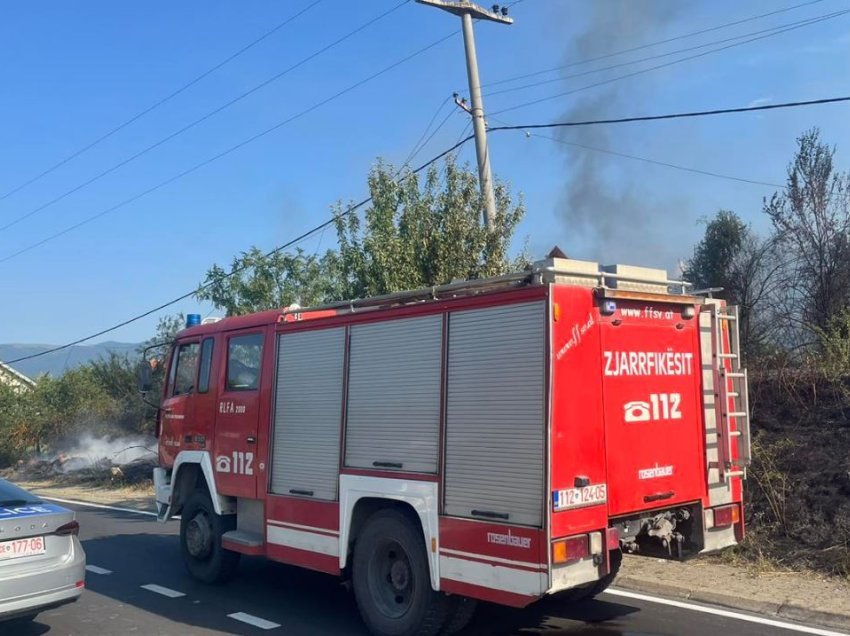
{"points": [[58, 362]]}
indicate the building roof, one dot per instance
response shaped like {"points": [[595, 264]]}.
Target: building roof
{"points": [[14, 378]]}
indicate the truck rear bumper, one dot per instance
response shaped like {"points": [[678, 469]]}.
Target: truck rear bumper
{"points": [[576, 573]]}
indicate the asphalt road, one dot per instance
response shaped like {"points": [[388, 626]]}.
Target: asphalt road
{"points": [[128, 551]]}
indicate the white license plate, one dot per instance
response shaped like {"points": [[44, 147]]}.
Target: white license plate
{"points": [[21, 547], [578, 497]]}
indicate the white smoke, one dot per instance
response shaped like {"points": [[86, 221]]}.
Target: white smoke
{"points": [[89, 451]]}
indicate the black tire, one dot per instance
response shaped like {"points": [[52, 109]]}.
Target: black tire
{"points": [[391, 579], [200, 540], [461, 611], [591, 590]]}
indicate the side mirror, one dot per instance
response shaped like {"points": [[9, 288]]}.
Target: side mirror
{"points": [[143, 376]]}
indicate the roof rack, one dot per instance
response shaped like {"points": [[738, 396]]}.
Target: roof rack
{"points": [[585, 273]]}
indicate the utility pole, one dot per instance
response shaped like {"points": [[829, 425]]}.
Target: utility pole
{"points": [[467, 11]]}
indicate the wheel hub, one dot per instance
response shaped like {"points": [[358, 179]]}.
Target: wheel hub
{"points": [[399, 574], [391, 579], [199, 536]]}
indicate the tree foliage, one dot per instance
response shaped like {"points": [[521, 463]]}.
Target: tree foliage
{"points": [[732, 257], [417, 232], [811, 218]]}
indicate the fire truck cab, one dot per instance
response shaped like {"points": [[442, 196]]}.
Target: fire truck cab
{"points": [[499, 439]]}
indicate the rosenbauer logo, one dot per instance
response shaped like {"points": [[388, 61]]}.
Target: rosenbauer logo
{"points": [[509, 539], [655, 472], [648, 363]]}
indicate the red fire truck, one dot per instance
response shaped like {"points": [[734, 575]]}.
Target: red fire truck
{"points": [[499, 439]]}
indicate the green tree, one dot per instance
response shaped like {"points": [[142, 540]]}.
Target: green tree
{"points": [[418, 232], [731, 256], [714, 263]]}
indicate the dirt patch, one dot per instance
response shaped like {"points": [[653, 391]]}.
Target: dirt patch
{"points": [[804, 596]]}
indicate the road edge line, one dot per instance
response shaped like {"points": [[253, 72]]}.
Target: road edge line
{"points": [[719, 611], [147, 513]]}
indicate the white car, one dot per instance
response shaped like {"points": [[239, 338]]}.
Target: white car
{"points": [[42, 563]]}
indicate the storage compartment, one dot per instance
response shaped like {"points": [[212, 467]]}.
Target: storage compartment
{"points": [[495, 413], [308, 413], [394, 395]]}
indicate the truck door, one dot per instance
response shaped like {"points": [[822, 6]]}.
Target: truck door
{"points": [[653, 413], [237, 415], [178, 406]]}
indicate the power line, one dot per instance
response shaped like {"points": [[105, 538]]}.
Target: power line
{"points": [[228, 151], [430, 137], [658, 163], [418, 143], [159, 103], [684, 115], [203, 118], [237, 270], [650, 44], [772, 30], [666, 64], [431, 161]]}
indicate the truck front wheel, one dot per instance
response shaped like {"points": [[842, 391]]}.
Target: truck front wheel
{"points": [[391, 579], [200, 540]]}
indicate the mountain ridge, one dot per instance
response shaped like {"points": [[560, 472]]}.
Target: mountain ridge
{"points": [[58, 362]]}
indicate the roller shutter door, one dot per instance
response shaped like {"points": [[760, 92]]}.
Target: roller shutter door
{"points": [[495, 414], [394, 395], [308, 412]]}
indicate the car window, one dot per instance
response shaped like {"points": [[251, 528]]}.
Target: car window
{"points": [[244, 354], [206, 364], [187, 369], [11, 494]]}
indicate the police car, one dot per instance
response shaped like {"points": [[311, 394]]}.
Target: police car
{"points": [[42, 563]]}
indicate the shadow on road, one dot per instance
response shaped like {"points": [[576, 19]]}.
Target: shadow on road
{"points": [[303, 602]]}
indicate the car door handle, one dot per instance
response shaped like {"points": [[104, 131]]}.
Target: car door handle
{"points": [[251, 439]]}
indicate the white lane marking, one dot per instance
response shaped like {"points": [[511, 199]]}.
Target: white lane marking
{"points": [[102, 506], [805, 629], [165, 591], [97, 570], [253, 620]]}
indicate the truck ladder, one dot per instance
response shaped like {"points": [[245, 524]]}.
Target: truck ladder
{"points": [[731, 395]]}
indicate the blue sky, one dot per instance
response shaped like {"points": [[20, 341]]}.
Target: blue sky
{"points": [[72, 71]]}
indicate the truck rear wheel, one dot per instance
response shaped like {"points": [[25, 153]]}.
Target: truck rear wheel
{"points": [[391, 579], [200, 540]]}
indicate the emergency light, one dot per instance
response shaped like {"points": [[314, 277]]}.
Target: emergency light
{"points": [[193, 320]]}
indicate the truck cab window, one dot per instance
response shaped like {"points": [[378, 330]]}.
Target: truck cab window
{"points": [[206, 364], [186, 370], [244, 354]]}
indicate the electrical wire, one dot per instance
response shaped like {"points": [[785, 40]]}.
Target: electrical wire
{"points": [[778, 29], [418, 143], [650, 44], [226, 152], [203, 118], [360, 204], [349, 210], [658, 163], [159, 103], [683, 115], [430, 137], [660, 66]]}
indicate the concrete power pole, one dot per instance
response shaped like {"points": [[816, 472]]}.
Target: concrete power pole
{"points": [[467, 11]]}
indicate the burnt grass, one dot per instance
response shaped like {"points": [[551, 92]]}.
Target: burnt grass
{"points": [[797, 493]]}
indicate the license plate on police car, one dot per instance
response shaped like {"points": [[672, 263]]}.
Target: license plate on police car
{"points": [[578, 497], [21, 548]]}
